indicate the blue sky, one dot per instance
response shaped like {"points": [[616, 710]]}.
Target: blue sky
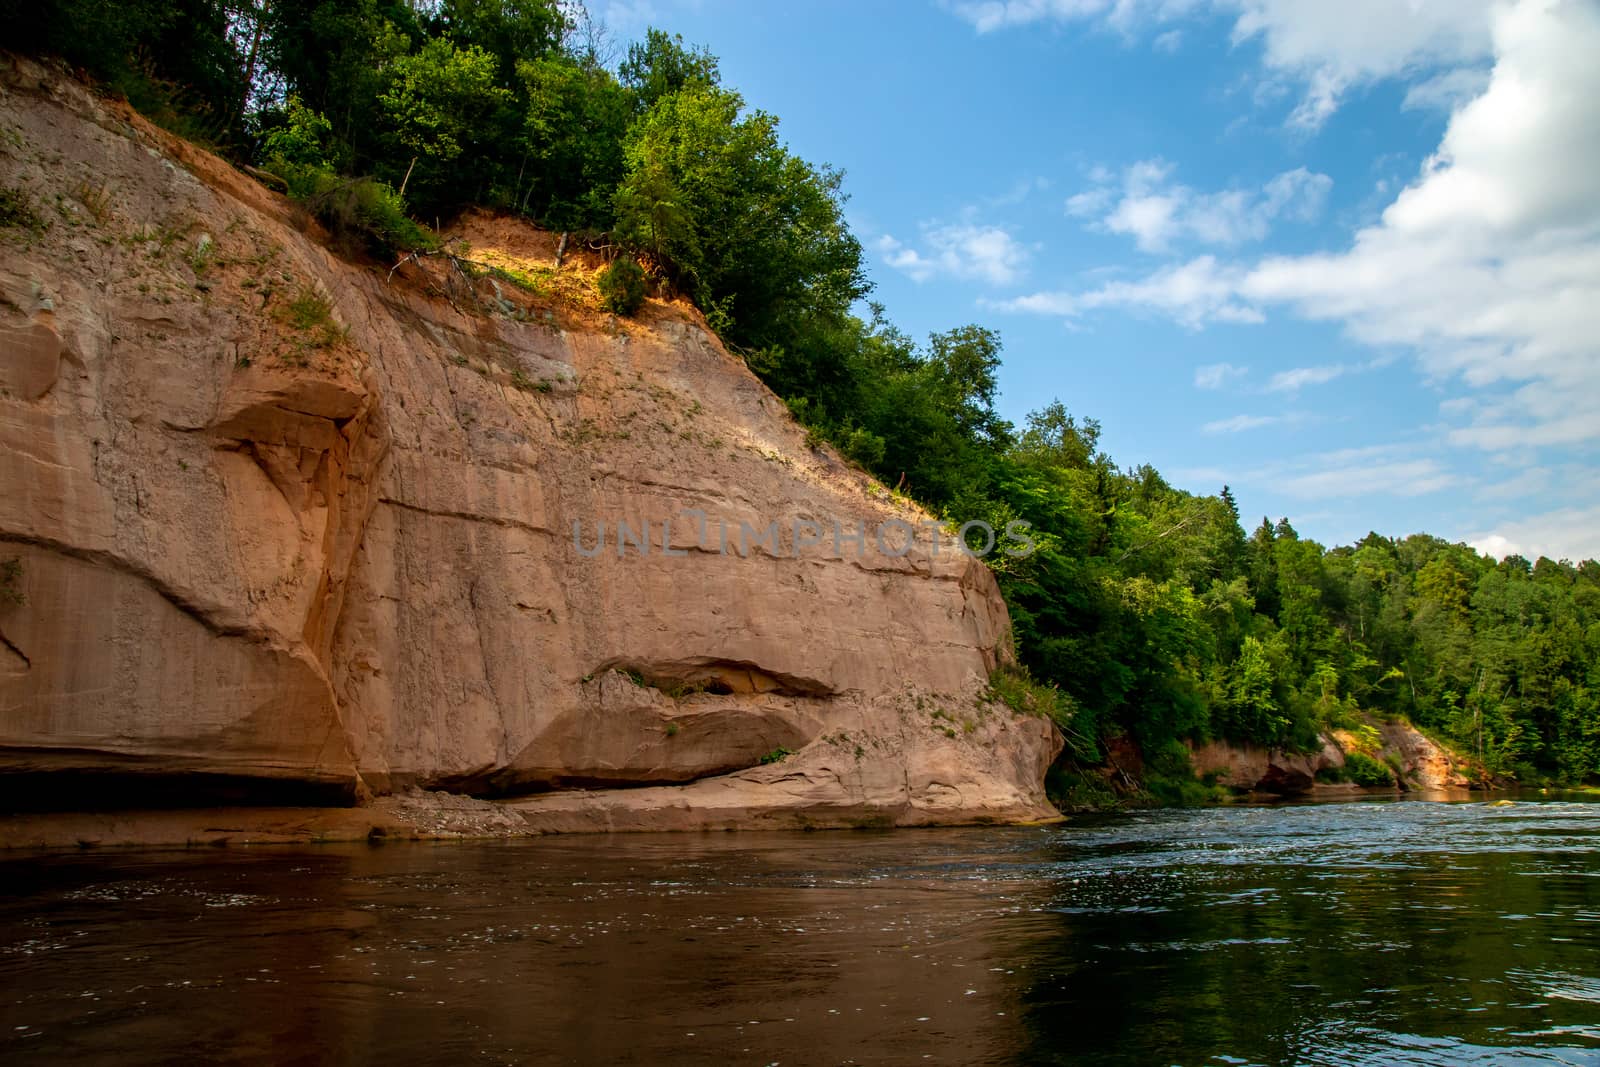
{"points": [[1344, 257]]}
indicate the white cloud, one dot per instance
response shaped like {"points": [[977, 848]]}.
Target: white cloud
{"points": [[1241, 423], [1447, 91], [1151, 220], [1216, 375], [1020, 192], [1342, 483], [1412, 477], [1530, 480], [1487, 265], [990, 15], [969, 252], [1327, 47], [1193, 293], [1290, 381], [1390, 469], [1156, 211], [1123, 15], [1091, 202], [1335, 46], [1297, 194], [1567, 533]]}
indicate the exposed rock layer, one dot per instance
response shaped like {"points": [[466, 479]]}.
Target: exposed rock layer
{"points": [[1417, 762], [287, 521]]}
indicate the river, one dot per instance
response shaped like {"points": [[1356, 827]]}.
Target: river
{"points": [[1382, 933]]}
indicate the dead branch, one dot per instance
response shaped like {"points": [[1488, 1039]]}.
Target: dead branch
{"points": [[1158, 537]]}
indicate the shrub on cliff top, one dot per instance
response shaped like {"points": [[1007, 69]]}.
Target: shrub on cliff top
{"points": [[1170, 779], [622, 286], [1362, 769], [1014, 687], [11, 581], [16, 209], [371, 210], [358, 211]]}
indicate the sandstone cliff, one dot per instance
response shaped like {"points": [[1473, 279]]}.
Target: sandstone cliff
{"points": [[295, 530], [1416, 762]]}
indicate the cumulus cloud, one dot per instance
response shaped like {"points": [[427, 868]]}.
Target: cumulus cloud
{"points": [[1328, 48], [968, 252], [1157, 212], [1447, 91], [1567, 533], [1332, 47], [990, 15], [1370, 470], [1297, 378], [1194, 293], [1487, 265], [1411, 477], [1241, 423], [1091, 202], [1216, 375], [1019, 192]]}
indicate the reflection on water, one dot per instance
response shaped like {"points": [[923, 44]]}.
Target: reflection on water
{"points": [[1372, 933]]}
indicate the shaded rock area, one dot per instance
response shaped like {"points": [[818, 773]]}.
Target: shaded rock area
{"points": [[1255, 768], [296, 531]]}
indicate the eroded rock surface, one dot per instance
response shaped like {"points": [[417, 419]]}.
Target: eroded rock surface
{"points": [[1420, 763], [286, 520], [1256, 768]]}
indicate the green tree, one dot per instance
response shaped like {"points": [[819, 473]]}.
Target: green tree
{"points": [[661, 65], [622, 286], [303, 140], [1250, 709], [435, 103], [760, 234], [569, 146], [513, 32]]}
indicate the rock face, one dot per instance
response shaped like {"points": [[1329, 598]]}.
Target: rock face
{"points": [[293, 529], [1254, 768], [1422, 764]]}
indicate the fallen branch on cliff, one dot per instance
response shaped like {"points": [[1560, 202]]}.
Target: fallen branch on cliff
{"points": [[1164, 534], [469, 271]]}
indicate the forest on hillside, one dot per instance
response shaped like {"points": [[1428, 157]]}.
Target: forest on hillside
{"points": [[1148, 612]]}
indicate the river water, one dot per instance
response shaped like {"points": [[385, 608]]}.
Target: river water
{"points": [[1404, 932]]}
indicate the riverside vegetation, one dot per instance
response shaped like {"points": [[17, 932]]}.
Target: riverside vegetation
{"points": [[1148, 612]]}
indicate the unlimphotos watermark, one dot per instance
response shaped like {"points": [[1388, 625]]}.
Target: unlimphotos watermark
{"points": [[892, 537]]}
